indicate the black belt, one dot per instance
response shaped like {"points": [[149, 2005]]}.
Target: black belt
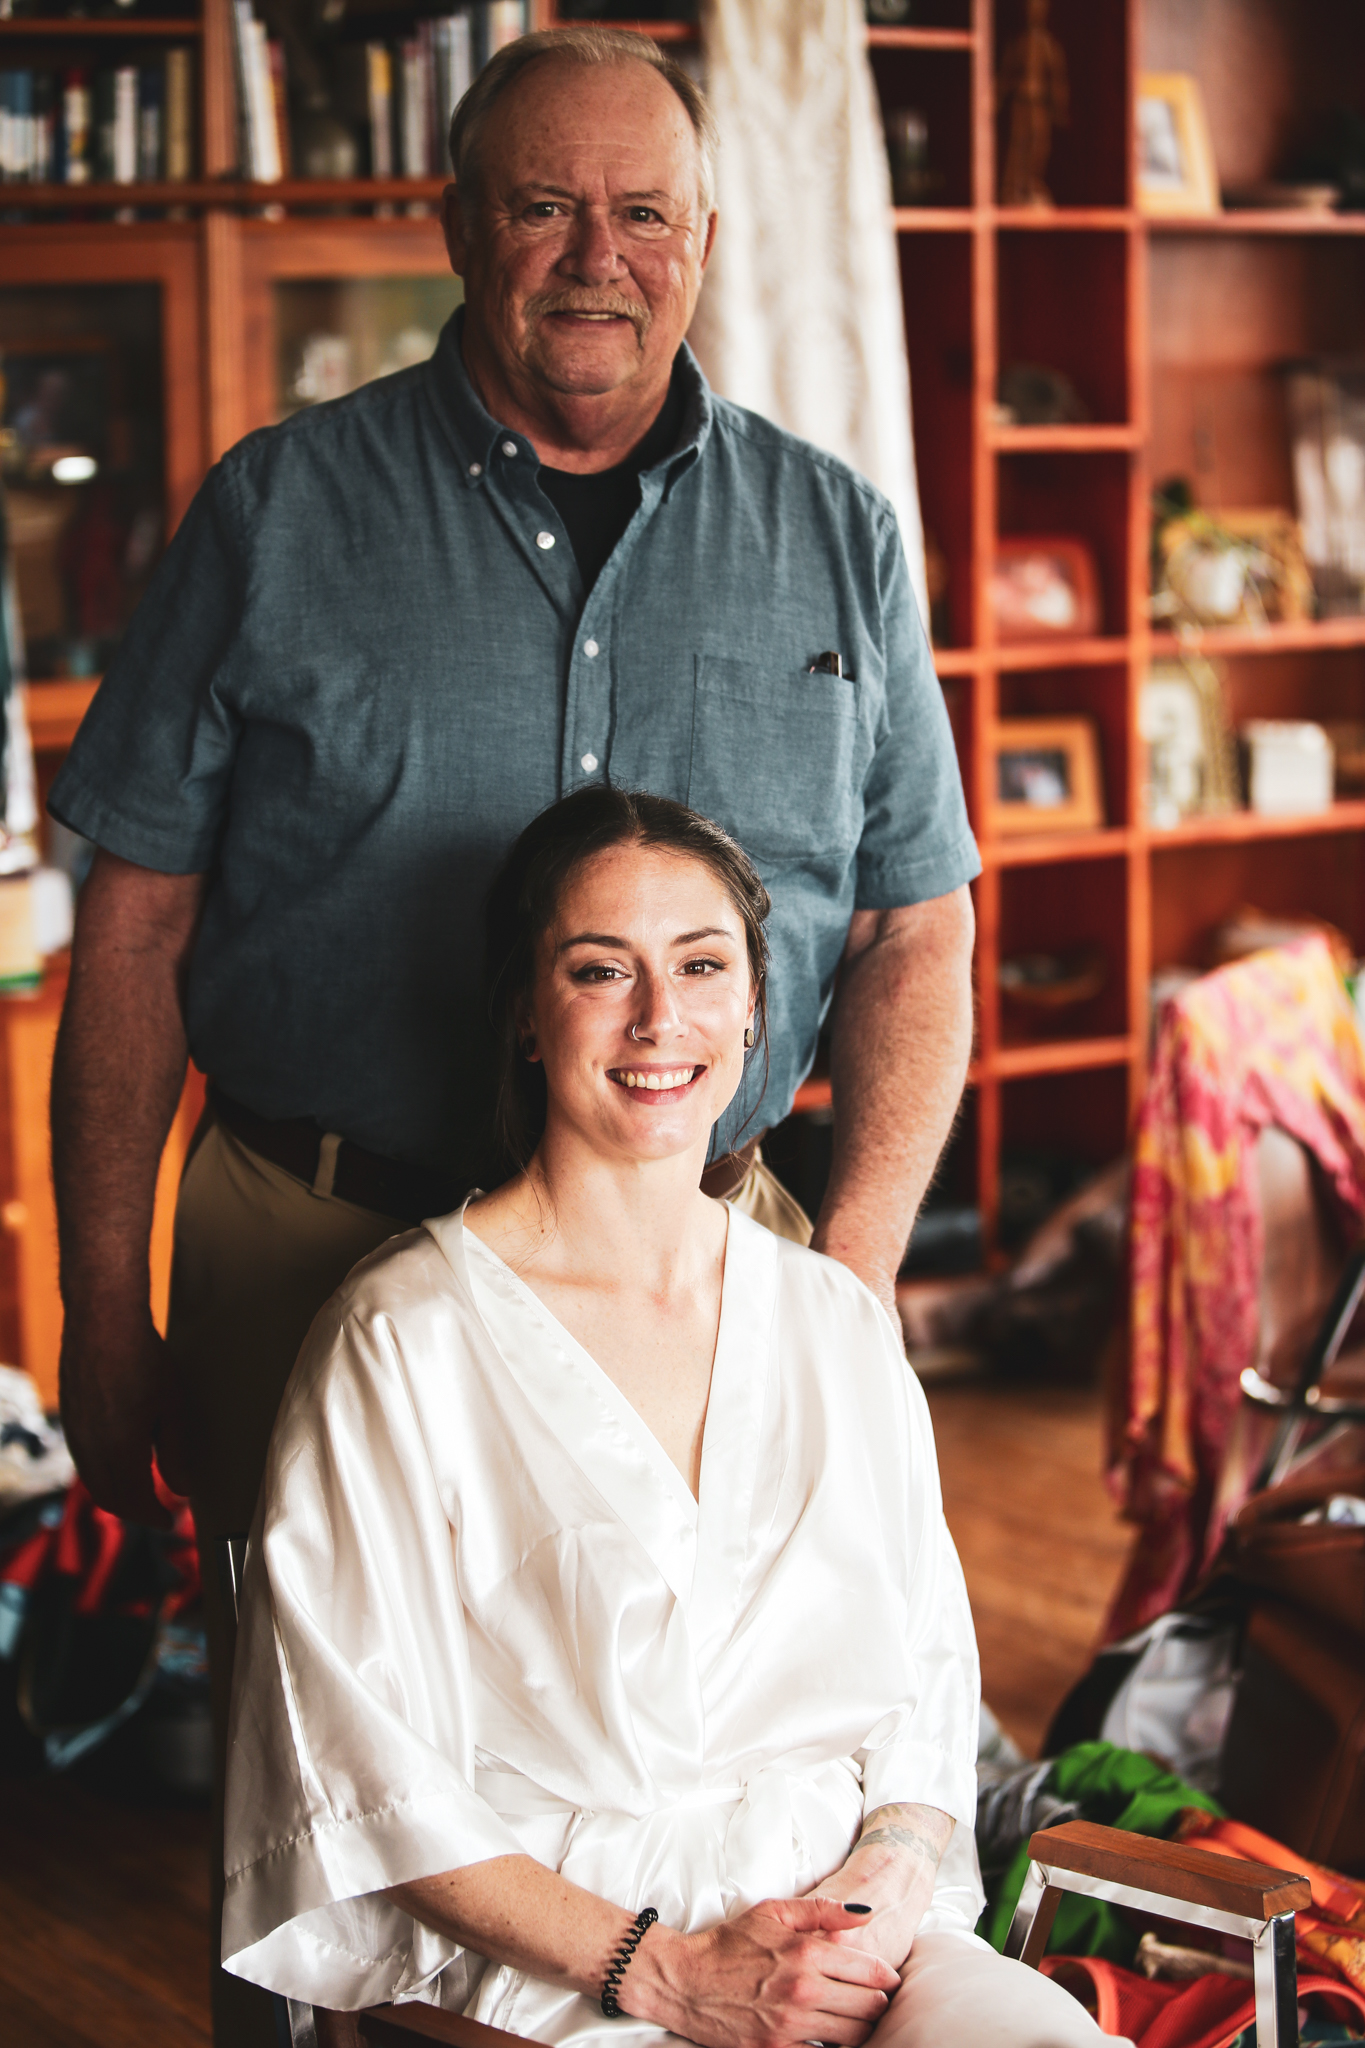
{"points": [[391, 1187]]}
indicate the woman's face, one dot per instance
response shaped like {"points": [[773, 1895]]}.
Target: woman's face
{"points": [[640, 1003]]}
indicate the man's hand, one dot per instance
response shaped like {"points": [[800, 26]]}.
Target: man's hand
{"points": [[773, 1977], [901, 1040], [116, 1080], [892, 1867]]}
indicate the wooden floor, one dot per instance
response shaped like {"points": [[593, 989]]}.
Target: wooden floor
{"points": [[103, 1904]]}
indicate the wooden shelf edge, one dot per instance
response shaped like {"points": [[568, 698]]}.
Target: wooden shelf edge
{"points": [[955, 661], [1101, 652], [55, 710], [227, 192], [36, 28], [1301, 637], [1111, 842], [1242, 826], [1061, 439], [934, 220], [1057, 1056], [1255, 220], [1052, 219], [661, 31], [889, 38]]}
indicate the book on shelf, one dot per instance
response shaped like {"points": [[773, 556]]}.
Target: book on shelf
{"points": [[121, 125], [257, 113]]}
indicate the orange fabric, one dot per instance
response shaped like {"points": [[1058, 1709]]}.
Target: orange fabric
{"points": [[1269, 1040], [1333, 1933], [1209, 2013]]}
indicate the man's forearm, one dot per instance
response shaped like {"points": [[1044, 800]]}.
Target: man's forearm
{"points": [[116, 1079], [901, 1041]]}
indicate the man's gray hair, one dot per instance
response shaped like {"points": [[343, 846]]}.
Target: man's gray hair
{"points": [[587, 46]]}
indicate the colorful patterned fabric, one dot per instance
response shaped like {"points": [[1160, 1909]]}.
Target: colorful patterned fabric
{"points": [[1269, 1040]]}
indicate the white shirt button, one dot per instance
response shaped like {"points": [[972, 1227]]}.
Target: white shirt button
{"points": [[588, 763], [545, 540], [590, 648], [476, 469], [509, 447]]}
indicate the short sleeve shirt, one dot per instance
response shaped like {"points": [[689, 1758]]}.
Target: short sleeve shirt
{"points": [[368, 659]]}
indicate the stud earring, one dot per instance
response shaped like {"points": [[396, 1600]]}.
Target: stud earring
{"points": [[748, 1038]]}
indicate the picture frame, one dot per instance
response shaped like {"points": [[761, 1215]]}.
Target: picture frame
{"points": [[1176, 170], [1190, 758], [1044, 587], [1045, 776]]}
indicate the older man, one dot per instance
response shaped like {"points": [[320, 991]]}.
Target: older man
{"points": [[385, 636]]}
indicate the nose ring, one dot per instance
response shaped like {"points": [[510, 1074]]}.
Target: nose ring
{"points": [[635, 1034]]}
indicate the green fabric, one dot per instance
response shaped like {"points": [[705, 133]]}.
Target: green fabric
{"points": [[1118, 1789]]}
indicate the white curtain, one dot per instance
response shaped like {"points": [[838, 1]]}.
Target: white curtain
{"points": [[800, 317]]}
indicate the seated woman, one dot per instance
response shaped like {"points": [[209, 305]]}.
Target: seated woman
{"points": [[600, 1571]]}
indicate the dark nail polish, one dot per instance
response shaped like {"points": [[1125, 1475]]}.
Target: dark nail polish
{"points": [[849, 1907]]}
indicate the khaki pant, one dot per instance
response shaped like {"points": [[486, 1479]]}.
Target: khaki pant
{"points": [[257, 1253]]}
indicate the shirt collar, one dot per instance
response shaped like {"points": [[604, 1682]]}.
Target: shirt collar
{"points": [[474, 431]]}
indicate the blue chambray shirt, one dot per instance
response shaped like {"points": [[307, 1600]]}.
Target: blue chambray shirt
{"points": [[367, 659]]}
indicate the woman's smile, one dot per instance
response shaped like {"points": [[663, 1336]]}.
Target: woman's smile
{"points": [[671, 1081]]}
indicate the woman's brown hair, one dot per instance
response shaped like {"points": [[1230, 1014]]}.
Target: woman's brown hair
{"points": [[523, 902]]}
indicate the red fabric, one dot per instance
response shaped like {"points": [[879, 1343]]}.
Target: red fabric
{"points": [[86, 1546], [1270, 1040], [1209, 2013]]}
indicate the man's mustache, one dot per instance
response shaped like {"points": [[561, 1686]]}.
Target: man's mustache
{"points": [[581, 302]]}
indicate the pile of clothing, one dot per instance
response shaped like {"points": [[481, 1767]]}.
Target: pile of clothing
{"points": [[1152, 1983], [99, 1618]]}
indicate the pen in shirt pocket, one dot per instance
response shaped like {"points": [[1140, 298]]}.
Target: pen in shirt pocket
{"points": [[830, 665]]}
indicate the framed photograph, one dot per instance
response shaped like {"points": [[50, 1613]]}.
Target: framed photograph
{"points": [[1046, 776], [1044, 588], [1176, 172], [1240, 568], [1191, 767]]}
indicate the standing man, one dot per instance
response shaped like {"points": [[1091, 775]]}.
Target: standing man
{"points": [[385, 636]]}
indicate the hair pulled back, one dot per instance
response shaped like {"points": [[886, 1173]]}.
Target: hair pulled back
{"points": [[524, 900]]}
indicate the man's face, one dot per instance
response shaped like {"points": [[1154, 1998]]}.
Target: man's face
{"points": [[583, 253]]}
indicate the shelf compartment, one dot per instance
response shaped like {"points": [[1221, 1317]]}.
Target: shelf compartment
{"points": [[1224, 316], [936, 284], [1197, 883], [1088, 164], [1077, 907], [1041, 279], [938, 86], [1077, 1118], [1099, 695], [1078, 439], [1085, 496], [55, 710]]}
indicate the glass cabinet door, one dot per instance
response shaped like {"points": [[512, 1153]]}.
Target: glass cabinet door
{"points": [[334, 334]]}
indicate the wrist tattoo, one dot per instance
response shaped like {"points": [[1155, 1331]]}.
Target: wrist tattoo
{"points": [[895, 1834]]}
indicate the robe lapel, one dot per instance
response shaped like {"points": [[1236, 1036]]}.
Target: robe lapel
{"points": [[734, 1422], [590, 1416]]}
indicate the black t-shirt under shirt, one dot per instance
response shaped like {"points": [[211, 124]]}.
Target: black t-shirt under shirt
{"points": [[597, 509]]}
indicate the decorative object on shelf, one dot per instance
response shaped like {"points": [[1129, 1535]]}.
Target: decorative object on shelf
{"points": [[913, 182], [1033, 90], [884, 13], [1032, 395], [1348, 753], [1250, 930], [1176, 169], [1044, 984], [1046, 776], [1270, 195], [1289, 767], [1191, 763], [1226, 568], [1326, 400], [1044, 588]]}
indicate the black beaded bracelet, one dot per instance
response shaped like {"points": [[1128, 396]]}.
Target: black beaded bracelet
{"points": [[621, 1962]]}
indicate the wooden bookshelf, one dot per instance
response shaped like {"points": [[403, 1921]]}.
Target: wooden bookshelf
{"points": [[1170, 329]]}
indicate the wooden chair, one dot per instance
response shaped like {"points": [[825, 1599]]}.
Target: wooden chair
{"points": [[1170, 1880]]}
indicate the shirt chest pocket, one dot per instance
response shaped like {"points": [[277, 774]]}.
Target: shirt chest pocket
{"points": [[779, 758]]}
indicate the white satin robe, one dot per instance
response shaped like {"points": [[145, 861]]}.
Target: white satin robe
{"points": [[484, 1615]]}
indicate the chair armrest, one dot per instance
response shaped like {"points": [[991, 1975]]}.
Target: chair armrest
{"points": [[401, 2026], [1177, 1871]]}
